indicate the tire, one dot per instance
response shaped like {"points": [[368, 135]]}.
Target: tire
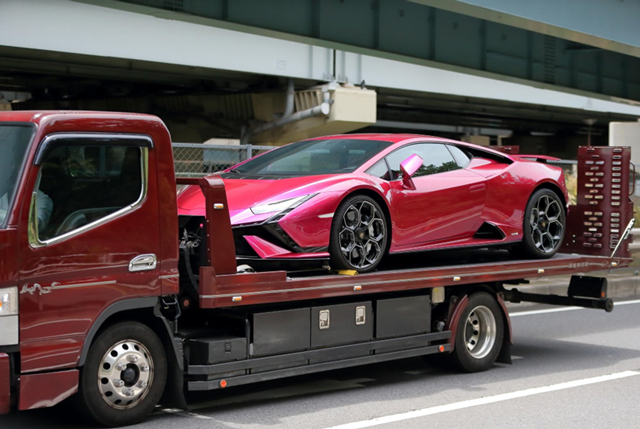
{"points": [[544, 226], [479, 334], [359, 235], [113, 397]]}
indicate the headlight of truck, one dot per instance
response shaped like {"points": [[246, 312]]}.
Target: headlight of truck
{"points": [[9, 329], [9, 301]]}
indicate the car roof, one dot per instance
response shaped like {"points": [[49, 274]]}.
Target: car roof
{"points": [[397, 139], [388, 137]]}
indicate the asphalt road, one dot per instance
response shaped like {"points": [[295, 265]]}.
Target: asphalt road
{"points": [[571, 369]]}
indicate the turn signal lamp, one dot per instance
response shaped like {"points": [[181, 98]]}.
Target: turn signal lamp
{"points": [[9, 301]]}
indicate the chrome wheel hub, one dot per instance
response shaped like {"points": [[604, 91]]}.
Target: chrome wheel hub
{"points": [[546, 224], [480, 332], [362, 234], [125, 374]]}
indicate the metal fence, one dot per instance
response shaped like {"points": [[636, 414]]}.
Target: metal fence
{"points": [[199, 160]]}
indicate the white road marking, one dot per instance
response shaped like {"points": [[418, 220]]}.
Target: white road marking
{"points": [[182, 413], [560, 309], [484, 401], [634, 301]]}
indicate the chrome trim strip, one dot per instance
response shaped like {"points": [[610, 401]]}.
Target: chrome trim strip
{"points": [[34, 240], [169, 276], [268, 292], [76, 285]]}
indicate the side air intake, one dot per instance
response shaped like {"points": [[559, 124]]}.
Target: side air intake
{"points": [[489, 231]]}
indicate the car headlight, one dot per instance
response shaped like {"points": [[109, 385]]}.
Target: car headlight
{"points": [[9, 301], [281, 205]]}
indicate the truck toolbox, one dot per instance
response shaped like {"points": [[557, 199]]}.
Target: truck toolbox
{"points": [[398, 317], [205, 351], [281, 332], [335, 325]]}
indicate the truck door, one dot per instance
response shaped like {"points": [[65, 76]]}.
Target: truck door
{"points": [[92, 239]]}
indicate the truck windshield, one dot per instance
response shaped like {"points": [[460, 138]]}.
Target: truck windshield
{"points": [[311, 157], [14, 141]]}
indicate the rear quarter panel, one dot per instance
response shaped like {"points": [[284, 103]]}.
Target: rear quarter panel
{"points": [[510, 190]]}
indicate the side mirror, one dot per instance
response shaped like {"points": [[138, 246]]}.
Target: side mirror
{"points": [[408, 167]]}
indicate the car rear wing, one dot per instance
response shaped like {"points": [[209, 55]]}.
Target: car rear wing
{"points": [[537, 158]]}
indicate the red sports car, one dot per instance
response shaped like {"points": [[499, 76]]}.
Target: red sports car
{"points": [[351, 199]]}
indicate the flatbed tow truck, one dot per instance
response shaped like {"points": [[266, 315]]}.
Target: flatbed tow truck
{"points": [[105, 302]]}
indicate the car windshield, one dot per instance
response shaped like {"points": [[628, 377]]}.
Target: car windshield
{"points": [[14, 141], [313, 157]]}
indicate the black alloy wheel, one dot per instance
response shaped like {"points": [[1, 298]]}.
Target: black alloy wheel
{"points": [[359, 235], [544, 225]]}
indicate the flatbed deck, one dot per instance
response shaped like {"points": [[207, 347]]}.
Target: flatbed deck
{"points": [[233, 290]]}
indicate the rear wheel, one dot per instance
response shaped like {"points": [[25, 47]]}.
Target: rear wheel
{"points": [[124, 375], [544, 225], [479, 334], [359, 235]]}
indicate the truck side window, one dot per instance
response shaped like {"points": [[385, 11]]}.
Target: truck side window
{"points": [[82, 184]]}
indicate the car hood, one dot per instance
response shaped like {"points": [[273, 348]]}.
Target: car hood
{"points": [[242, 194]]}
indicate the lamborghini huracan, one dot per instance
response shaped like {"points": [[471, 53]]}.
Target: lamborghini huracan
{"points": [[351, 199]]}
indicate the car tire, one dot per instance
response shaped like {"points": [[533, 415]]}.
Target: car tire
{"points": [[359, 235], [544, 226], [124, 375], [479, 334]]}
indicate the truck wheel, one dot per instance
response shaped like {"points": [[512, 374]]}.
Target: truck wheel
{"points": [[479, 334], [124, 375]]}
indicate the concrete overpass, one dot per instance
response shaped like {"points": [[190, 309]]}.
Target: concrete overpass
{"points": [[535, 71]]}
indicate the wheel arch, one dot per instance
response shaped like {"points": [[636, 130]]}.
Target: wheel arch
{"points": [[554, 188], [135, 309]]}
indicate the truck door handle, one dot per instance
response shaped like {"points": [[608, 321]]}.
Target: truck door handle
{"points": [[144, 262], [476, 188]]}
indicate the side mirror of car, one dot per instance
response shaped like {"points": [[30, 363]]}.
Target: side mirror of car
{"points": [[408, 167]]}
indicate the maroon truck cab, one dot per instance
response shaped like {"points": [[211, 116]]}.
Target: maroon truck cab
{"points": [[100, 253]]}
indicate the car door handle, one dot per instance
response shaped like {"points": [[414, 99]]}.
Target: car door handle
{"points": [[476, 188], [144, 262]]}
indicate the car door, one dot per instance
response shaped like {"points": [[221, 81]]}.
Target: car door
{"points": [[447, 201]]}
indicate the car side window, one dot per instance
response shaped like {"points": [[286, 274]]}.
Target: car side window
{"points": [[82, 184], [436, 158], [462, 157], [380, 170]]}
